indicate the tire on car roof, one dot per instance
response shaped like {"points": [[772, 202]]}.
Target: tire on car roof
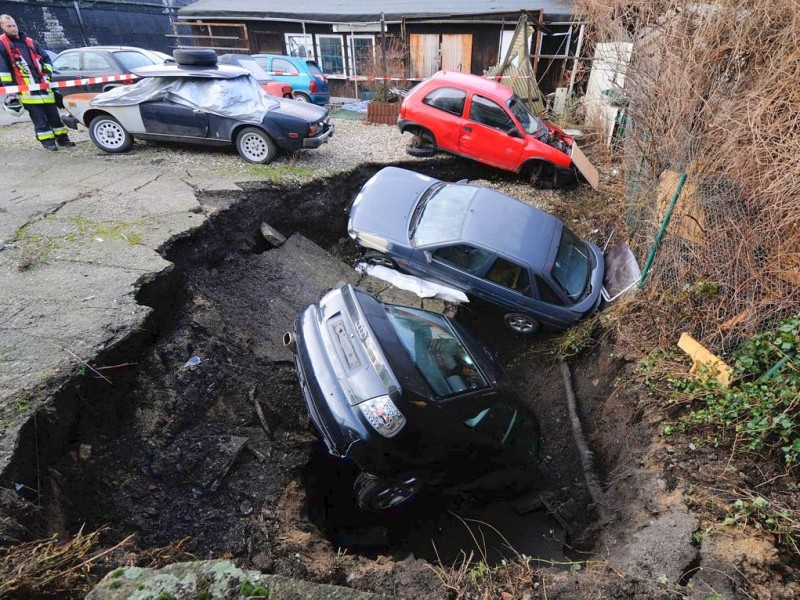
{"points": [[198, 57]]}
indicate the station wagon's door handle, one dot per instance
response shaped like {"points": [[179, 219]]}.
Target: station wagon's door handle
{"points": [[467, 128]]}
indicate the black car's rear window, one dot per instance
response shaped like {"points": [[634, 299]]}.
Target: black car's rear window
{"points": [[432, 345]]}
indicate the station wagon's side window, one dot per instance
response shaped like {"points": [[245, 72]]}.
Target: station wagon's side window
{"points": [[489, 113], [68, 62], [546, 292], [464, 257], [447, 99], [284, 67], [96, 62], [510, 275]]}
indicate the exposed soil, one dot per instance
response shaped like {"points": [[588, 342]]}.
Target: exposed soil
{"points": [[176, 449]]}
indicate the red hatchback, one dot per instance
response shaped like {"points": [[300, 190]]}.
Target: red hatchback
{"points": [[483, 120]]}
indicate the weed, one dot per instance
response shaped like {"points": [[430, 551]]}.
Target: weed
{"points": [[758, 512], [762, 411], [115, 584], [165, 596], [578, 338], [22, 405], [272, 172], [249, 590], [117, 573], [479, 571]]}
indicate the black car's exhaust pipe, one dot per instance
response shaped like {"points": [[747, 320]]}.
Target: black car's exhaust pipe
{"points": [[290, 342]]}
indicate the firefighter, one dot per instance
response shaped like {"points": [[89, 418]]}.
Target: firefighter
{"points": [[22, 62]]}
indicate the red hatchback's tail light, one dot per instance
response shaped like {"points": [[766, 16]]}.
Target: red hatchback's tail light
{"points": [[312, 87]]}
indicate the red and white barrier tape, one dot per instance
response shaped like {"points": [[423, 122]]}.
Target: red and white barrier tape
{"points": [[16, 89]]}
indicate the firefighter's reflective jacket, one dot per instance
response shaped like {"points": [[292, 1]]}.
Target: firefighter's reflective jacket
{"points": [[22, 62]]}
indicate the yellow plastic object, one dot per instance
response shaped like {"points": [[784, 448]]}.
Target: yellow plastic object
{"points": [[701, 356]]}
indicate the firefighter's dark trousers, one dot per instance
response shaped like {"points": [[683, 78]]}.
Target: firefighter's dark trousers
{"points": [[47, 123]]}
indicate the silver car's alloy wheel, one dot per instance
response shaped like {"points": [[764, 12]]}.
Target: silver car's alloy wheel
{"points": [[396, 494], [110, 134], [520, 323]]}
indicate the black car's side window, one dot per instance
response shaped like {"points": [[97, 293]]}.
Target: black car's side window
{"points": [[466, 258], [489, 113], [510, 275], [546, 292], [447, 99]]}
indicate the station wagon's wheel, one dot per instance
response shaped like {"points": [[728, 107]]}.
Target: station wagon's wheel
{"points": [[108, 135], [376, 494], [255, 146], [373, 257], [301, 97], [519, 323]]}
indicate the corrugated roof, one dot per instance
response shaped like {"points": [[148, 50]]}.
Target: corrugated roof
{"points": [[346, 11]]}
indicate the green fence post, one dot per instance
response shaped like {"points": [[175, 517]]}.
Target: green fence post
{"points": [[649, 262]]}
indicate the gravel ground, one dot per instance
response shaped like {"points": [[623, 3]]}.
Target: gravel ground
{"points": [[354, 143]]}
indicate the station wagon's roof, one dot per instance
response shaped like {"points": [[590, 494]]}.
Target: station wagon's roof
{"points": [[510, 226]]}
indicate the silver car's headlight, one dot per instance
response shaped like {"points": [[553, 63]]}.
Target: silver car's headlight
{"points": [[383, 415]]}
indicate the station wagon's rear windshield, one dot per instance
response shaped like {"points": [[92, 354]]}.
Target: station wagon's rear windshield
{"points": [[440, 213], [438, 354], [572, 266], [315, 70]]}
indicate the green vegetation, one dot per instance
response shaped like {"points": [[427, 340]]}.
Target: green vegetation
{"points": [[117, 573], [165, 596], [758, 512], [249, 590], [273, 172], [761, 410], [115, 584]]}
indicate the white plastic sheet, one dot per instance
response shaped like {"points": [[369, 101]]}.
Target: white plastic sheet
{"points": [[239, 98], [420, 287]]}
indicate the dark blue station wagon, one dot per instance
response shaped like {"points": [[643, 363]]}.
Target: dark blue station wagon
{"points": [[482, 242]]}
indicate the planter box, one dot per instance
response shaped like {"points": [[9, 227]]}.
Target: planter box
{"points": [[383, 112]]}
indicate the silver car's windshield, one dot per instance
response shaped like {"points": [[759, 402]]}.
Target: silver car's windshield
{"points": [[441, 213], [436, 351], [572, 266]]}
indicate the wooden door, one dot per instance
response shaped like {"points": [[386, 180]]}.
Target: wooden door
{"points": [[457, 52]]}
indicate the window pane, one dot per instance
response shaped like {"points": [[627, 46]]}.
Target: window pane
{"points": [[95, 62], [68, 62], [546, 293], [510, 275], [299, 45], [572, 267], [448, 99], [132, 60], [442, 214], [489, 113], [363, 52], [330, 54], [440, 357], [466, 258], [283, 66]]}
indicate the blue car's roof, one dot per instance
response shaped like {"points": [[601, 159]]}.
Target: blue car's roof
{"points": [[510, 226]]}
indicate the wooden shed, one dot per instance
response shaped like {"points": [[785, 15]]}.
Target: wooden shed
{"points": [[344, 37]]}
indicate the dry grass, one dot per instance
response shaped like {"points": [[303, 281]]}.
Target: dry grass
{"points": [[712, 90]]}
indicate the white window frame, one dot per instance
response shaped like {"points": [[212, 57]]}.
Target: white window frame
{"points": [[307, 38], [352, 55], [320, 62]]}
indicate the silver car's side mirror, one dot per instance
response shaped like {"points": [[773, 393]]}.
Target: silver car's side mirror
{"points": [[428, 256]]}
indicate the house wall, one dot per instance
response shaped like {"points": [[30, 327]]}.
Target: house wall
{"points": [[57, 25]]}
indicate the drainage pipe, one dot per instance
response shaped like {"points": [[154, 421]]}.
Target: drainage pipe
{"points": [[583, 448]]}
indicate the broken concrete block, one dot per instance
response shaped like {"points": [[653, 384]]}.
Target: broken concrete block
{"points": [[272, 235]]}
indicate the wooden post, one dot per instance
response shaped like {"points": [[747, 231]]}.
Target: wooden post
{"points": [[383, 55]]}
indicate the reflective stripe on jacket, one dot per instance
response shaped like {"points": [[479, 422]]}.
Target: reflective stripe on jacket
{"points": [[16, 68]]}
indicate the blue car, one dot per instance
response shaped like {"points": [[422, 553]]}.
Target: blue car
{"points": [[482, 242], [308, 82]]}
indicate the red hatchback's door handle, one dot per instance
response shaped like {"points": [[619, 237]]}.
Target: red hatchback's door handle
{"points": [[467, 128]]}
